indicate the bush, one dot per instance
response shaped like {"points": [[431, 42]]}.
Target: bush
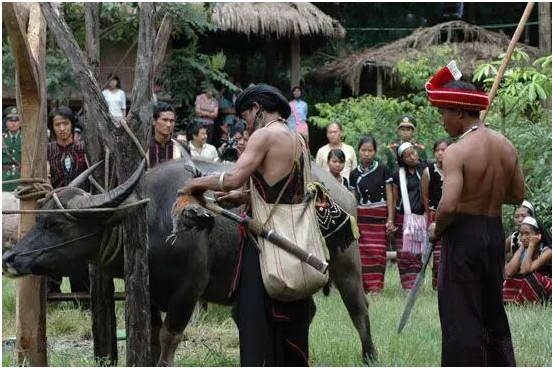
{"points": [[377, 116]]}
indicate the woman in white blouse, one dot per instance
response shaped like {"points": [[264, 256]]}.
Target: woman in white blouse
{"points": [[115, 97]]}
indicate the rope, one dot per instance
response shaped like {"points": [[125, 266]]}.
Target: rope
{"points": [[36, 188], [87, 210]]}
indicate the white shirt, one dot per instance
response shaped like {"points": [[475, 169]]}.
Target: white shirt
{"points": [[116, 101], [208, 152], [349, 154]]}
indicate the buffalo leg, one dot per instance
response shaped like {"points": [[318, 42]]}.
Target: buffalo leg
{"points": [[169, 341], [156, 320], [345, 271]]}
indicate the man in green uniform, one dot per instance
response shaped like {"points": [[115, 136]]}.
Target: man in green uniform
{"points": [[11, 148], [406, 130]]}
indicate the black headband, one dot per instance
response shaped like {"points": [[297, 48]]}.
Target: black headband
{"points": [[269, 97]]}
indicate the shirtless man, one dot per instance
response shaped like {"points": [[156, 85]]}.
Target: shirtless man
{"points": [[481, 172], [279, 338]]}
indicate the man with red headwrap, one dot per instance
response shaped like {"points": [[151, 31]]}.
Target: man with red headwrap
{"points": [[481, 172]]}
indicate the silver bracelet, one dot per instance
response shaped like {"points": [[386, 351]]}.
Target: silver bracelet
{"points": [[221, 178]]}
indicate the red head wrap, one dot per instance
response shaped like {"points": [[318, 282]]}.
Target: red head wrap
{"points": [[442, 97]]}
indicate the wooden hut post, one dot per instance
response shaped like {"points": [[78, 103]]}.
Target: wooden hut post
{"points": [[379, 82], [29, 48], [294, 61]]}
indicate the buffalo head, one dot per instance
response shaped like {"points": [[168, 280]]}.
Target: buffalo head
{"points": [[56, 241]]}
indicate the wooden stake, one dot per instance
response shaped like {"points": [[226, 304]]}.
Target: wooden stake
{"points": [[29, 48], [515, 38]]}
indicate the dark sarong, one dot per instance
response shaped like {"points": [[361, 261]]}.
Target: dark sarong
{"points": [[475, 330], [409, 264], [436, 251], [271, 332], [373, 247], [532, 288]]}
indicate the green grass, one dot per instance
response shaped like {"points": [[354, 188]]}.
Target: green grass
{"points": [[213, 340]]}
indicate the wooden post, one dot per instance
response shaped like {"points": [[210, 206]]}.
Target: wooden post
{"points": [[294, 61], [545, 28], [379, 82], [29, 48], [102, 304], [127, 158]]}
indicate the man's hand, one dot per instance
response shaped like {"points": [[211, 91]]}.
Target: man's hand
{"points": [[232, 199], [431, 232], [188, 189]]}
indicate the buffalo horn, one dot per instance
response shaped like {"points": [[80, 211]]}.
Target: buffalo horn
{"points": [[109, 199], [81, 178]]}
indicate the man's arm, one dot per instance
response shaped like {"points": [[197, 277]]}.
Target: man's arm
{"points": [[248, 162], [516, 192], [451, 190]]}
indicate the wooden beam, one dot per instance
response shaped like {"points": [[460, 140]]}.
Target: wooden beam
{"points": [[29, 48], [102, 300], [294, 61], [545, 28]]}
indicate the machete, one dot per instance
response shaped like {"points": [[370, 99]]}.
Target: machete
{"points": [[417, 286]]}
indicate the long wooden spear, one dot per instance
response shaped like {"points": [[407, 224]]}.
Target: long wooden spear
{"points": [[508, 56]]}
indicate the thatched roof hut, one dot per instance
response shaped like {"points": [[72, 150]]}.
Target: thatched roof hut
{"points": [[281, 20], [471, 45]]}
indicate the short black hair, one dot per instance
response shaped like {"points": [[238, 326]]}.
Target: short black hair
{"points": [[113, 76], [160, 107], [439, 141], [238, 127], [337, 153], [196, 127], [367, 139], [295, 88], [337, 123], [461, 85], [62, 111]]}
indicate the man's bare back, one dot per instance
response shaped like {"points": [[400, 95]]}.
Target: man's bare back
{"points": [[280, 143], [488, 165]]}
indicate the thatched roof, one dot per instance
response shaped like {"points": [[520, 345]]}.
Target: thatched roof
{"points": [[278, 19], [471, 45]]}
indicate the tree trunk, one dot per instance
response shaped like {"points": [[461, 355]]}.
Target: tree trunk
{"points": [[29, 48], [104, 324], [545, 28], [127, 157]]}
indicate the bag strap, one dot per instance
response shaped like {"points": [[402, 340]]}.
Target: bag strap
{"points": [[295, 165], [404, 191]]}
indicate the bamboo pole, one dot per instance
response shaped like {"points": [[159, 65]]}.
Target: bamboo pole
{"points": [[515, 38]]}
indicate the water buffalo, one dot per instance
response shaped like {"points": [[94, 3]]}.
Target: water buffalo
{"points": [[199, 265]]}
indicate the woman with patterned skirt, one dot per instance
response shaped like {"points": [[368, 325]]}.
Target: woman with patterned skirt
{"points": [[409, 264], [371, 182], [431, 191], [529, 273]]}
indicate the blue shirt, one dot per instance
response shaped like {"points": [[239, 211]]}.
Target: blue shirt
{"points": [[302, 109]]}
